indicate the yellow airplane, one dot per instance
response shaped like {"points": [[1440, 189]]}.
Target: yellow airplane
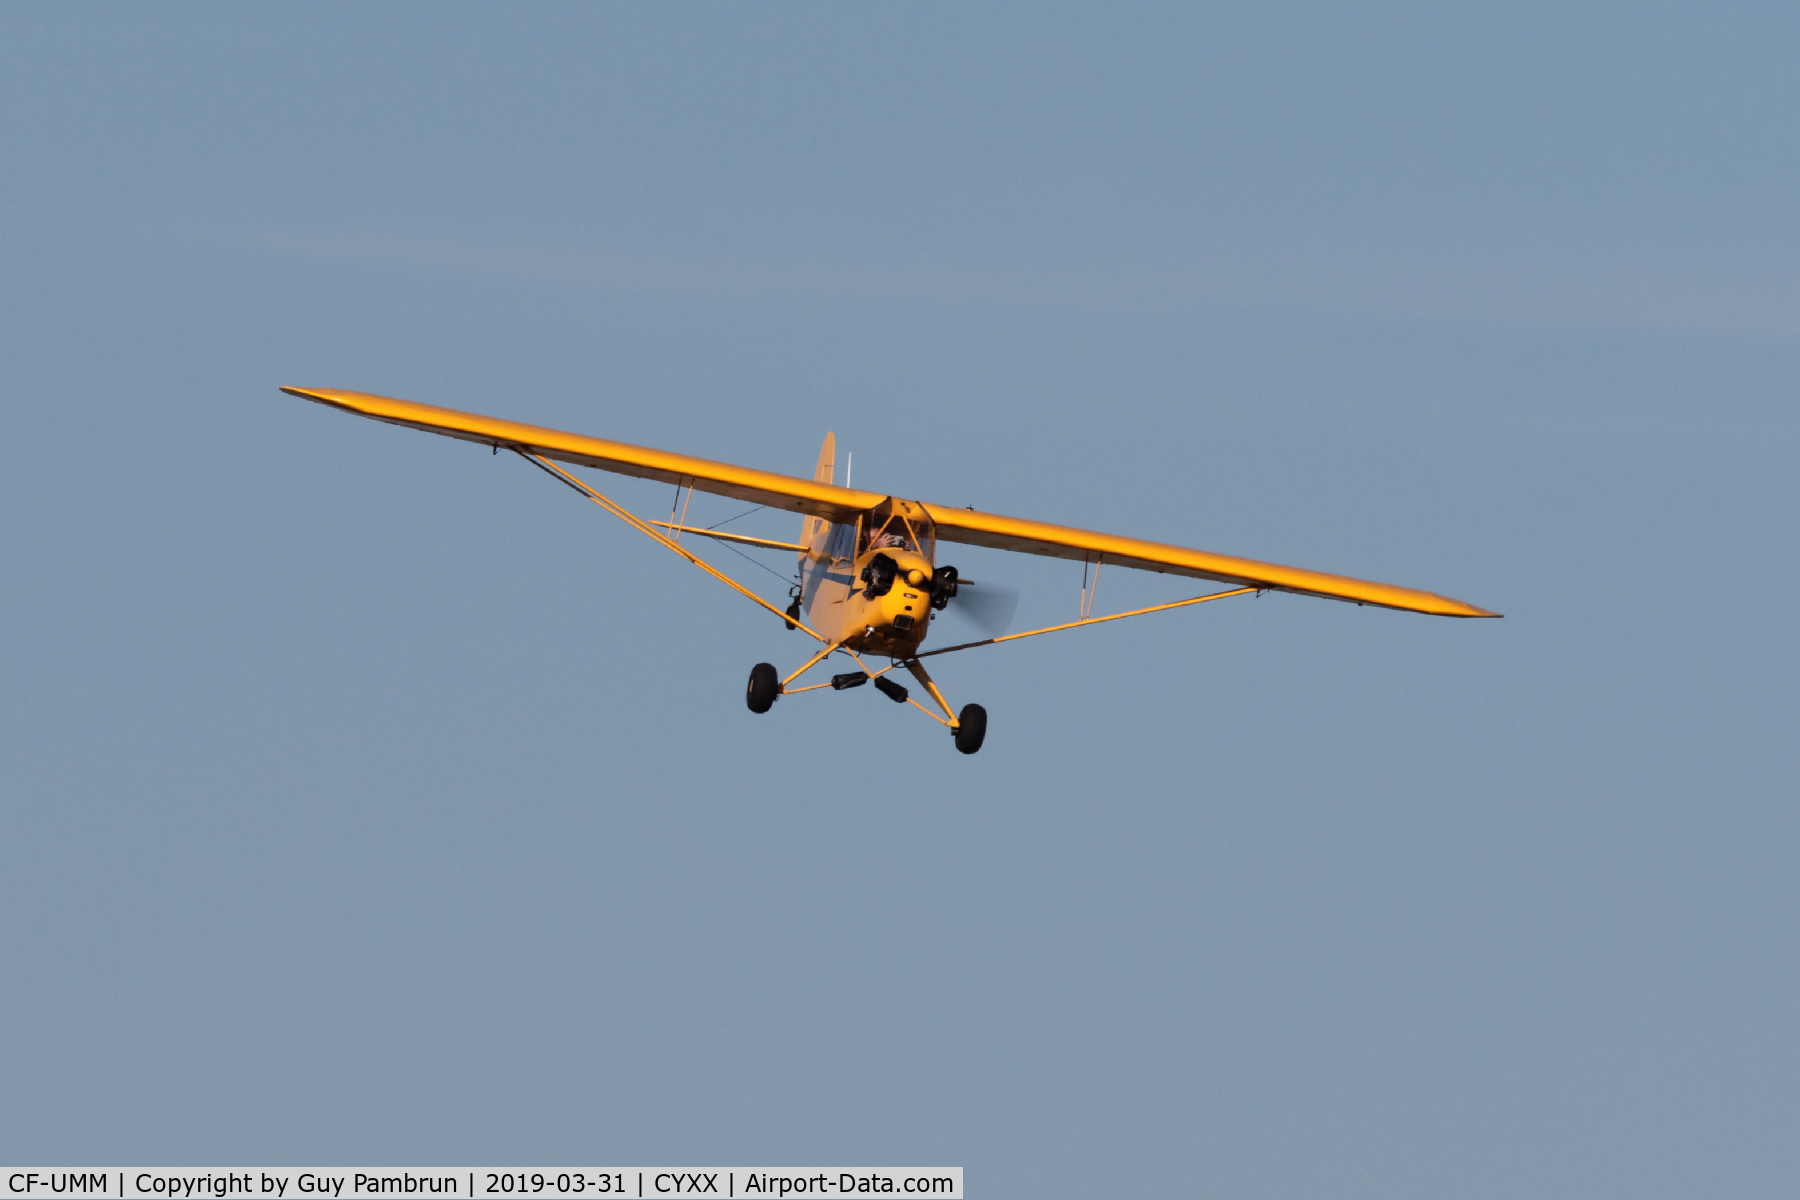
{"points": [[869, 583]]}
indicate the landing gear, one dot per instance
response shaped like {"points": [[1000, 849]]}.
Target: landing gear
{"points": [[793, 611], [968, 727], [971, 728], [764, 686]]}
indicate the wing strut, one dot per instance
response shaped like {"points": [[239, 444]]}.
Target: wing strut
{"points": [[644, 527], [722, 536], [1138, 612]]}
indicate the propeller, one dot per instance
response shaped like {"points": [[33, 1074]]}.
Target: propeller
{"points": [[989, 607]]}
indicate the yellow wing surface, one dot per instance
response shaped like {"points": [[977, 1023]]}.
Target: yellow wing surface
{"points": [[741, 483], [818, 498], [1058, 541]]}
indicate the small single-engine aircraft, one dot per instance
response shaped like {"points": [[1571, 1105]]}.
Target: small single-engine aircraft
{"points": [[868, 581]]}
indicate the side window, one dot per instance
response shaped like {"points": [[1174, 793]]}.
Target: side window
{"points": [[840, 544]]}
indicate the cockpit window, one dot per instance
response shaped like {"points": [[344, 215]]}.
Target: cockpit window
{"points": [[897, 525], [841, 542], [893, 535]]}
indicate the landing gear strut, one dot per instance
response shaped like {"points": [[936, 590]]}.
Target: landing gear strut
{"points": [[969, 727]]}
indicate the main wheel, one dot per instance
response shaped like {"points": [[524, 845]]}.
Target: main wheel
{"points": [[971, 728], [765, 685]]}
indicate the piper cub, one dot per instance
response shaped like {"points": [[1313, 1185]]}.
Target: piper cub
{"points": [[868, 585]]}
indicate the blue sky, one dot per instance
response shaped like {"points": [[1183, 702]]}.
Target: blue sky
{"points": [[368, 798]]}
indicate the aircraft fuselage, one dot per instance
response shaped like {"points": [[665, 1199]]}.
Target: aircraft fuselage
{"points": [[844, 563]]}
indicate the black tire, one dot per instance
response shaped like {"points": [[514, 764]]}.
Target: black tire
{"points": [[765, 685], [793, 615], [971, 728]]}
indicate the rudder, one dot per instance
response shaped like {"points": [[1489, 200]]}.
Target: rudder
{"points": [[815, 527]]}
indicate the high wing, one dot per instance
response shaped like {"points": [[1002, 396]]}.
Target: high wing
{"points": [[838, 504], [723, 479], [1059, 541]]}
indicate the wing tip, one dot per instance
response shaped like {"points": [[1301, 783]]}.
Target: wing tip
{"points": [[325, 396]]}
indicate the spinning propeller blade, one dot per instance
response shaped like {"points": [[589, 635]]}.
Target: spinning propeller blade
{"points": [[988, 607]]}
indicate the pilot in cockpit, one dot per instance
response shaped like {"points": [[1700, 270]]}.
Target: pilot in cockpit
{"points": [[892, 535]]}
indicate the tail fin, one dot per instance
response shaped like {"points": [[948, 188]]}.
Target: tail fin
{"points": [[812, 528]]}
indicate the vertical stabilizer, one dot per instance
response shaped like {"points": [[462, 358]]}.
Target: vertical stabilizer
{"points": [[813, 528]]}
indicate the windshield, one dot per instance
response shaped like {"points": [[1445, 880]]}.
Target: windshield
{"points": [[907, 529]]}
